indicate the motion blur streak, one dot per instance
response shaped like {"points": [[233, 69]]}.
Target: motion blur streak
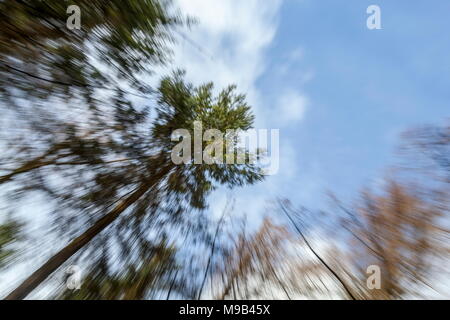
{"points": [[87, 182]]}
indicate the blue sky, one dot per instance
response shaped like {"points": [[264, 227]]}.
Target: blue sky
{"points": [[368, 85], [339, 93]]}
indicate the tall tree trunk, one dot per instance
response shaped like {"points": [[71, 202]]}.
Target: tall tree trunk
{"points": [[58, 259]]}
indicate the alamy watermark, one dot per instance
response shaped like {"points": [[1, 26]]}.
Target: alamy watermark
{"points": [[230, 147], [73, 277], [374, 20], [374, 280], [74, 20]]}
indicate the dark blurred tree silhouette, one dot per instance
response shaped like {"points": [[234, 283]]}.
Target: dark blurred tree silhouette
{"points": [[153, 181], [67, 92], [142, 280], [10, 232], [78, 133], [40, 56]]}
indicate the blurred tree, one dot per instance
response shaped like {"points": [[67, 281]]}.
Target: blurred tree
{"points": [[290, 214], [76, 132], [134, 282], [66, 93], [253, 263], [56, 84], [399, 231], [153, 181], [40, 56], [401, 226]]}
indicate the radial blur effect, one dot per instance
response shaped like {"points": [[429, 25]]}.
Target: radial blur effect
{"points": [[93, 207]]}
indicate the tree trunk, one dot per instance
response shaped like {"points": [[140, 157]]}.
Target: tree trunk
{"points": [[346, 288], [58, 259], [219, 225]]}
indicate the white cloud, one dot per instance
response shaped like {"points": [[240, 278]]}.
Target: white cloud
{"points": [[228, 44], [295, 55], [291, 106]]}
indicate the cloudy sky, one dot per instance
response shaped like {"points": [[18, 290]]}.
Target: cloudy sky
{"points": [[339, 93]]}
